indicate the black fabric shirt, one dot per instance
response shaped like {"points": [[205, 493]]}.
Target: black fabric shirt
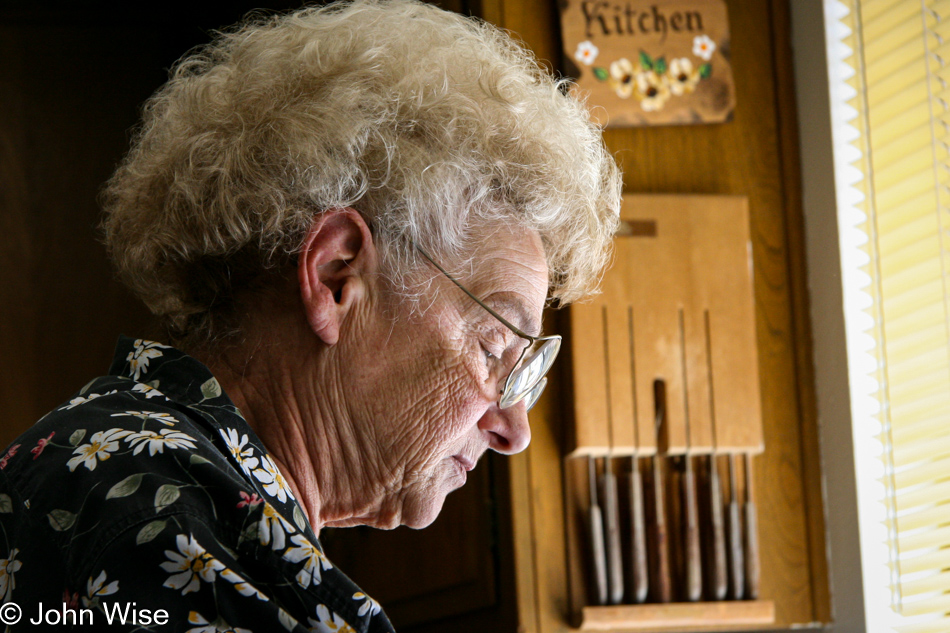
{"points": [[147, 497]]}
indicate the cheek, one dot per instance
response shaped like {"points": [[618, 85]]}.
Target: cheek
{"points": [[449, 406]]}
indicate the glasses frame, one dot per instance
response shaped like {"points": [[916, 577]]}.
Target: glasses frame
{"points": [[507, 400]]}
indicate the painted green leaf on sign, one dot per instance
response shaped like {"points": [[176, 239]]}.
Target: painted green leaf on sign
{"points": [[211, 388], [166, 495], [601, 73], [76, 437], [660, 66], [646, 62], [125, 487], [705, 71], [149, 532], [61, 520]]}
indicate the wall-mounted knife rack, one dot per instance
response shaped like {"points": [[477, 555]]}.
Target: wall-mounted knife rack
{"points": [[662, 531]]}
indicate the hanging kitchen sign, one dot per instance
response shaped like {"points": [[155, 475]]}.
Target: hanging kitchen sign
{"points": [[664, 62]]}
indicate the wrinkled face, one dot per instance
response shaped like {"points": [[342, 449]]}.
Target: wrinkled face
{"points": [[431, 383]]}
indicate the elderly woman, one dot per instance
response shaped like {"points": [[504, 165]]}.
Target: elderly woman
{"points": [[350, 219]]}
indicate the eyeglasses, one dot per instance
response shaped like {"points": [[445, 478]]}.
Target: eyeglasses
{"points": [[527, 378]]}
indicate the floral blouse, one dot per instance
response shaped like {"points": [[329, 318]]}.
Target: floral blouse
{"points": [[147, 499]]}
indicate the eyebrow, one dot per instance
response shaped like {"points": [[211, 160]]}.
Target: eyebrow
{"points": [[523, 318]]}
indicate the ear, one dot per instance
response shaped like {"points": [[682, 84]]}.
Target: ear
{"points": [[332, 264]]}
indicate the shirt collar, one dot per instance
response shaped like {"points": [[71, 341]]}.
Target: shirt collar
{"points": [[171, 371]]}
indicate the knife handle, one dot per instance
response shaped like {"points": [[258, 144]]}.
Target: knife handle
{"points": [[719, 575], [694, 568], [734, 525], [595, 525], [641, 580], [612, 531], [663, 586]]}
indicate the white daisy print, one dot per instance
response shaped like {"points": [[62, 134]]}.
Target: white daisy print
{"points": [[165, 418], [75, 402], [138, 358], [370, 606], [98, 588], [243, 456], [242, 586], [100, 445], [147, 391], [328, 622], [8, 567], [286, 620], [313, 558], [189, 565], [273, 528], [217, 626], [274, 483], [156, 442]]}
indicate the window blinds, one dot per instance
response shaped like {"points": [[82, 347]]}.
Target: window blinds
{"points": [[889, 68]]}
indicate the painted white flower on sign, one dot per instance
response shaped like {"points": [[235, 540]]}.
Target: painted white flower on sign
{"points": [[313, 558], [157, 442], [652, 90], [622, 75], [189, 565], [138, 358], [703, 47], [100, 445], [243, 456], [274, 483], [683, 77], [586, 52]]}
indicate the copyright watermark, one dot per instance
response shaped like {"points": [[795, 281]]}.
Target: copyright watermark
{"points": [[10, 613], [115, 613]]}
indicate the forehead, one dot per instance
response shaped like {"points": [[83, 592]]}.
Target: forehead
{"points": [[511, 276]]}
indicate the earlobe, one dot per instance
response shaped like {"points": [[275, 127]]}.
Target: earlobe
{"points": [[333, 261]]}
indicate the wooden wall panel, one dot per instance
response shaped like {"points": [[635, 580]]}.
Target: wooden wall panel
{"points": [[70, 85], [754, 155]]}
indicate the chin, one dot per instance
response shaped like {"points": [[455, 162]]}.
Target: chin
{"points": [[420, 513]]}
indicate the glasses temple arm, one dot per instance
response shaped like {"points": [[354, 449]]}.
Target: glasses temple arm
{"points": [[474, 298]]}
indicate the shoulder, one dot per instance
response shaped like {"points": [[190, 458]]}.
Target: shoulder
{"points": [[116, 457]]}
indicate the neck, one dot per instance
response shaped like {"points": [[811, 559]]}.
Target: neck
{"points": [[292, 401]]}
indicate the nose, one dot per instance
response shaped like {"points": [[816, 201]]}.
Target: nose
{"points": [[507, 429]]}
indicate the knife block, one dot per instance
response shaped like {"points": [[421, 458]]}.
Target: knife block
{"points": [[664, 363]]}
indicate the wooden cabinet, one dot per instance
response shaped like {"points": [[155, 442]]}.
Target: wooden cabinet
{"points": [[754, 155]]}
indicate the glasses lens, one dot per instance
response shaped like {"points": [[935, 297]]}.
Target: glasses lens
{"points": [[532, 398], [530, 372]]}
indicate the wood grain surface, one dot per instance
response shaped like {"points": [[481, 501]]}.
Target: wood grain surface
{"points": [[754, 155]]}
